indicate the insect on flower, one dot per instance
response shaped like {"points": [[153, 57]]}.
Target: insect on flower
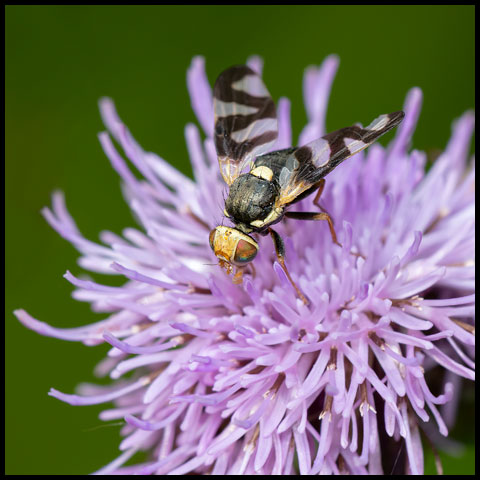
{"points": [[245, 129]]}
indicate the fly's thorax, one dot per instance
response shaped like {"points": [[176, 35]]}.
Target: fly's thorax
{"points": [[252, 197], [233, 246]]}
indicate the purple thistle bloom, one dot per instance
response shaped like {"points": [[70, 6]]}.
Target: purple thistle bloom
{"points": [[246, 379]]}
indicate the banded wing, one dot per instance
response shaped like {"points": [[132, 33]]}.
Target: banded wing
{"points": [[306, 165], [245, 120]]}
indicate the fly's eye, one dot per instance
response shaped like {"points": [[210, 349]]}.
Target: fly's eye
{"points": [[211, 238], [245, 252]]}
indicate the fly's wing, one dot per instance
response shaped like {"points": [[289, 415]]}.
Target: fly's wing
{"points": [[306, 165], [245, 120]]}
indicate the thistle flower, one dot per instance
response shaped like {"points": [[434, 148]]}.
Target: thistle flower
{"points": [[245, 379]]}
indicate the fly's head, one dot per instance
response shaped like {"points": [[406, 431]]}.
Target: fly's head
{"points": [[232, 247]]}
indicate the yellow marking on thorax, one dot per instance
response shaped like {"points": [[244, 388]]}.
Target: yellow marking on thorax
{"points": [[263, 172], [271, 217]]}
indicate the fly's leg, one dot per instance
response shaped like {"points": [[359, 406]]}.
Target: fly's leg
{"points": [[316, 216], [320, 216], [280, 251], [237, 278], [238, 275], [316, 200]]}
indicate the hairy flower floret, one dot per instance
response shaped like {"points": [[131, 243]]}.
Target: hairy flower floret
{"points": [[247, 379]]}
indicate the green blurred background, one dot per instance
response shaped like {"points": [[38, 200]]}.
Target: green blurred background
{"points": [[60, 60]]}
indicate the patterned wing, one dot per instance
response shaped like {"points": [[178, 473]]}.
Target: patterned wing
{"points": [[245, 120], [306, 165]]}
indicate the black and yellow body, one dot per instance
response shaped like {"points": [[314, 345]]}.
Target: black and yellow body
{"points": [[251, 201]]}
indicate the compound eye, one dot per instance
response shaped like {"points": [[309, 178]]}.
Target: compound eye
{"points": [[245, 252], [211, 238]]}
